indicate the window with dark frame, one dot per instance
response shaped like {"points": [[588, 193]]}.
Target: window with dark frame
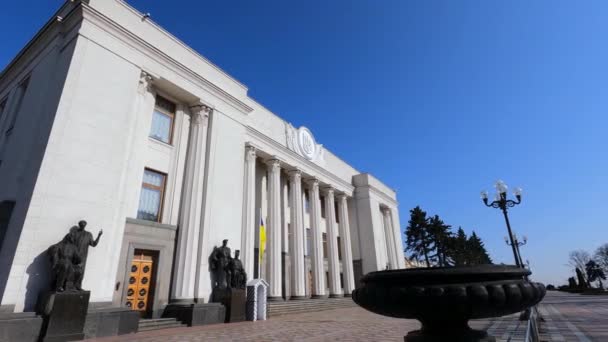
{"points": [[306, 201], [152, 194], [163, 120], [339, 249], [336, 212], [323, 207], [324, 245], [20, 95]]}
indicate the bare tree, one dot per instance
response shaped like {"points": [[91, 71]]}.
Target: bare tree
{"points": [[601, 257], [578, 259]]}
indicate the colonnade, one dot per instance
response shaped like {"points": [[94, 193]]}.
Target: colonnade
{"points": [[297, 238]]}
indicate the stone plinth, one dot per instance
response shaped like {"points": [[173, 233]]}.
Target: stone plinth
{"points": [[234, 300], [64, 315], [194, 314]]}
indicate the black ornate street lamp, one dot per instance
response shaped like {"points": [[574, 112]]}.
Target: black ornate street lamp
{"points": [[501, 202], [517, 245]]}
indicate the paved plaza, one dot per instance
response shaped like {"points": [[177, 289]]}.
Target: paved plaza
{"points": [[567, 318]]}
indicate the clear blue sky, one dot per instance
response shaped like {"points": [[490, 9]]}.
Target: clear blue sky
{"points": [[436, 98]]}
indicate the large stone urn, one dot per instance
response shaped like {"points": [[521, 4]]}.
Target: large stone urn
{"points": [[444, 299]]}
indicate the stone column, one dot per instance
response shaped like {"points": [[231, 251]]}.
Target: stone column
{"points": [[390, 238], [298, 236], [249, 224], [318, 271], [273, 230], [190, 219], [332, 244], [347, 254]]}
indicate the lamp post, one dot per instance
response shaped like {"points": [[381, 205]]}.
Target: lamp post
{"points": [[501, 202], [517, 245]]}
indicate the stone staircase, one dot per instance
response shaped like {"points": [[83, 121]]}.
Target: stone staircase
{"points": [[159, 323], [308, 305]]}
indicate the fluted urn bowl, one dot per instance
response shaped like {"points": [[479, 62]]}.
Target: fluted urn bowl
{"points": [[444, 299]]}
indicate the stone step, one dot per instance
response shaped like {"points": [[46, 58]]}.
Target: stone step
{"points": [[308, 305], [159, 323]]}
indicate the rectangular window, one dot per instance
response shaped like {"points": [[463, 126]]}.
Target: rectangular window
{"points": [[162, 120], [152, 193], [339, 250], [308, 242], [306, 201], [341, 281], [336, 212], [2, 107], [20, 95], [323, 207], [324, 245]]}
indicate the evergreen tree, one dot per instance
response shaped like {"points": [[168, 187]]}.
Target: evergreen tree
{"points": [[458, 248], [418, 239], [477, 251], [441, 236]]}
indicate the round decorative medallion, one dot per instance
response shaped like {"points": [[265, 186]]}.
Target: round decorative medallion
{"points": [[307, 143], [133, 268], [142, 292], [132, 280], [128, 304], [146, 269], [130, 292], [144, 280], [141, 305]]}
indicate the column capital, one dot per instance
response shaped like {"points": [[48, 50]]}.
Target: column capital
{"points": [[314, 182], [342, 197], [295, 173], [250, 152], [145, 83], [326, 190], [200, 113], [273, 163], [386, 211]]}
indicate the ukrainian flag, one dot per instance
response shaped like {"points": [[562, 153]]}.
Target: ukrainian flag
{"points": [[262, 239]]}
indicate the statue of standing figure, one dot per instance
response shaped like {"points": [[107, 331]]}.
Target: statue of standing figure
{"points": [[220, 258], [69, 256], [228, 271]]}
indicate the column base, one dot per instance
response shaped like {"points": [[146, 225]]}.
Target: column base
{"points": [[298, 297], [337, 295], [275, 299], [318, 297], [348, 295]]}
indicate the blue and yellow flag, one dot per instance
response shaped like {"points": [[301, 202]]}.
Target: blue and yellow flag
{"points": [[262, 238]]}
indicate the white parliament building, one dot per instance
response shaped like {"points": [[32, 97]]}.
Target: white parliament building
{"points": [[107, 117]]}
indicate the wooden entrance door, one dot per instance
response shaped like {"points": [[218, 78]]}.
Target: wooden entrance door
{"points": [[140, 287]]}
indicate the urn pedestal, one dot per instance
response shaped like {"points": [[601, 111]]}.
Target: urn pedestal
{"points": [[445, 299]]}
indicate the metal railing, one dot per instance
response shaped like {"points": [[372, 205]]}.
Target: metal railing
{"points": [[532, 332]]}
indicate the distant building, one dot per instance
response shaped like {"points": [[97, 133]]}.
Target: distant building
{"points": [[107, 117]]}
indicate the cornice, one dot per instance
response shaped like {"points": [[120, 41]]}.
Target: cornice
{"points": [[108, 25], [340, 184], [388, 200], [179, 42]]}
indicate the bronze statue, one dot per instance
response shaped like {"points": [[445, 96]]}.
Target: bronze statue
{"points": [[220, 260], [68, 257], [237, 272]]}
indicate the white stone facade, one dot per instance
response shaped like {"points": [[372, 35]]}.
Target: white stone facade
{"points": [[80, 145]]}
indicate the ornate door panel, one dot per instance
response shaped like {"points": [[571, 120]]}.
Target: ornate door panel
{"points": [[138, 290]]}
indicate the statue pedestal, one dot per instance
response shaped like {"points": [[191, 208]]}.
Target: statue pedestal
{"points": [[235, 302], [64, 315]]}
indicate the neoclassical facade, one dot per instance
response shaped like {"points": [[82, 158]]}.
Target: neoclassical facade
{"points": [[104, 116]]}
